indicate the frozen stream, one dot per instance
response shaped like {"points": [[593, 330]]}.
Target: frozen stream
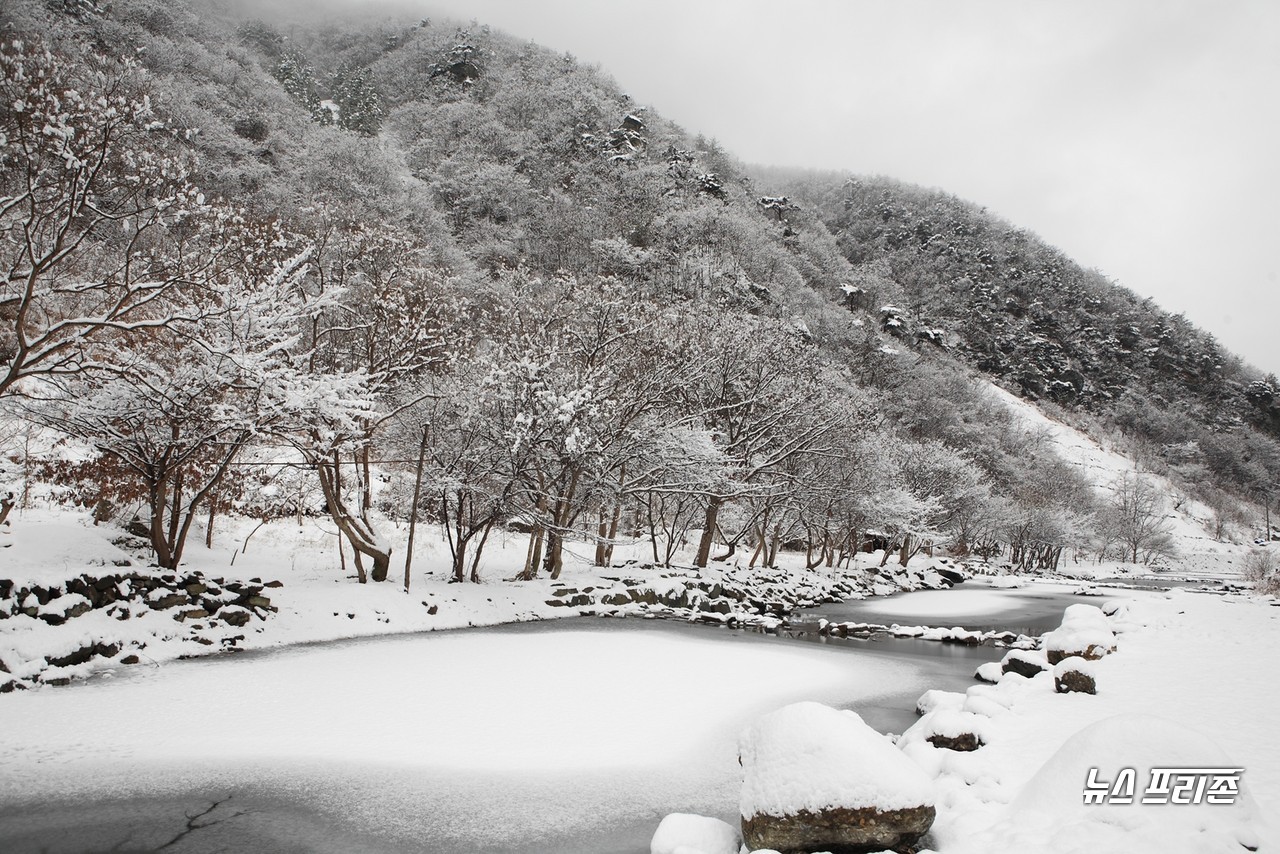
{"points": [[1031, 610], [574, 736]]}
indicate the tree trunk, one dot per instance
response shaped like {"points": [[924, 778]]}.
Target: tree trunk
{"points": [[159, 502], [553, 560], [358, 529], [208, 528], [602, 534], [732, 547], [653, 529], [534, 558], [460, 562], [775, 540], [413, 509], [760, 552], [708, 533], [366, 499], [613, 533], [475, 555]]}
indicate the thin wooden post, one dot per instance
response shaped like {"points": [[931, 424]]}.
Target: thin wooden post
{"points": [[413, 511]]}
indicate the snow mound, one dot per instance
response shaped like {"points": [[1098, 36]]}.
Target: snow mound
{"points": [[989, 671], [1051, 815], [1076, 664], [1007, 582], [1082, 614], [808, 756], [1084, 632], [938, 699], [683, 833]]}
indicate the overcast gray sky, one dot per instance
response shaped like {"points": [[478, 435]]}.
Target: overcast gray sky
{"points": [[1141, 137]]}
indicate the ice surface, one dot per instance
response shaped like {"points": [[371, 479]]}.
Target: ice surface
{"points": [[482, 734], [957, 602]]}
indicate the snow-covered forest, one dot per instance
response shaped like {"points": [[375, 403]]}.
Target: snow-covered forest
{"points": [[430, 305], [580, 319]]}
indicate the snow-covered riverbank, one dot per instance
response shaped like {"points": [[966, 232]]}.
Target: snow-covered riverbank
{"points": [[263, 587], [1200, 661], [1186, 688]]}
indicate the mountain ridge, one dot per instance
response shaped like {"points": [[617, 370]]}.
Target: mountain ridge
{"points": [[511, 171]]}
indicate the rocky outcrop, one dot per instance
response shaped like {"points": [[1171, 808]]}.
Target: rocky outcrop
{"points": [[747, 597], [201, 603]]}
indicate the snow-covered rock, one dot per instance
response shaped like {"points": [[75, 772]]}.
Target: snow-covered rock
{"points": [[816, 777], [683, 833], [1007, 582], [1084, 632], [1075, 674], [938, 699], [989, 671], [1082, 613], [1025, 662], [953, 729]]}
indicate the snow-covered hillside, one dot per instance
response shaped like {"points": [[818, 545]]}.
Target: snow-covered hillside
{"points": [[1189, 522]]}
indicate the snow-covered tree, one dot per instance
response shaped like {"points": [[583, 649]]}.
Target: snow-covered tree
{"points": [[758, 390], [180, 403], [298, 79], [386, 317], [1135, 518], [96, 213], [359, 105]]}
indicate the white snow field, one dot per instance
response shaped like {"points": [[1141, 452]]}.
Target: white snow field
{"points": [[1197, 661], [472, 738], [1189, 521]]}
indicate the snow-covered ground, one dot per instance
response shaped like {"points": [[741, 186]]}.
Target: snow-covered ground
{"points": [[1199, 661], [292, 571], [503, 737]]}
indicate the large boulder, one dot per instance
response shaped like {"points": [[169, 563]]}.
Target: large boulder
{"points": [[682, 833], [820, 779]]}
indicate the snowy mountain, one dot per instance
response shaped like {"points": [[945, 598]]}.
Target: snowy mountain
{"points": [[481, 287]]}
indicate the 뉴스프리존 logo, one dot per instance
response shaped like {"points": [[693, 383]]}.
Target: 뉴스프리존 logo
{"points": [[1166, 786]]}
